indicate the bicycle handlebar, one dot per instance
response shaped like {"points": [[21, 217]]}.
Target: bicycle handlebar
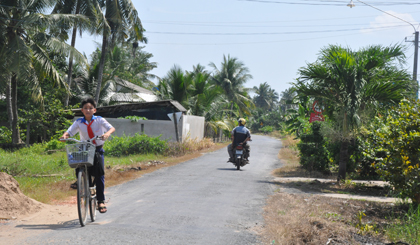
{"points": [[98, 137]]}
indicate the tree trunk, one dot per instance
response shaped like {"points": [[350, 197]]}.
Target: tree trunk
{"points": [[15, 126], [344, 156], [231, 109], [9, 102], [73, 44], [28, 133], [101, 66]]}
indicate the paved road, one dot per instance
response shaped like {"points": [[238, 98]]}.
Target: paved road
{"points": [[201, 201]]}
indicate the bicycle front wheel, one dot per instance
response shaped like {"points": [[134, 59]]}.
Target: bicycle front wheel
{"points": [[82, 195]]}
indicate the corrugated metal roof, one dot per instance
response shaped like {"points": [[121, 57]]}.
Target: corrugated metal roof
{"points": [[175, 105]]}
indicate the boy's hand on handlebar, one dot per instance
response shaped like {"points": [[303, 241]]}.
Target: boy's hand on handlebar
{"points": [[64, 137], [104, 137]]}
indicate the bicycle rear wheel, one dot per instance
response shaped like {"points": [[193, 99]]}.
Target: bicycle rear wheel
{"points": [[92, 203], [82, 195]]}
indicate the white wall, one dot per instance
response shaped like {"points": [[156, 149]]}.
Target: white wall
{"points": [[188, 127], [192, 127]]}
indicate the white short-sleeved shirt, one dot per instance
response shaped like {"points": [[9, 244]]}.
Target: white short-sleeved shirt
{"points": [[99, 126]]}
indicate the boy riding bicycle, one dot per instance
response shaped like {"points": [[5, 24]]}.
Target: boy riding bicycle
{"points": [[88, 127]]}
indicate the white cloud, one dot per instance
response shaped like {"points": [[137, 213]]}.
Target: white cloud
{"points": [[387, 22]]}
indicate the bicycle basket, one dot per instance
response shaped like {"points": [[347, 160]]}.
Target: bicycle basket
{"points": [[80, 154]]}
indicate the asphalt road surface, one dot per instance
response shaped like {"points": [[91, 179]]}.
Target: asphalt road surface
{"points": [[201, 201]]}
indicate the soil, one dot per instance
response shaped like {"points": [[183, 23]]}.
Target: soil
{"points": [[13, 203], [26, 212]]}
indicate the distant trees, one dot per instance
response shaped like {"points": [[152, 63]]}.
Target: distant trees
{"points": [[231, 77], [266, 97]]}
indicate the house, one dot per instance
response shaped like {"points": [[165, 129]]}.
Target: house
{"points": [[160, 116], [122, 91]]}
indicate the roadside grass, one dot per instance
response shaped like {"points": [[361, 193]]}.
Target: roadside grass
{"points": [[310, 219], [406, 228], [46, 177]]}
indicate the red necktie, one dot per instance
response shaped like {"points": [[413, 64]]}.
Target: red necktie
{"points": [[90, 132]]}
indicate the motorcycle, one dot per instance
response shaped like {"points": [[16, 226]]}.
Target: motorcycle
{"points": [[239, 155]]}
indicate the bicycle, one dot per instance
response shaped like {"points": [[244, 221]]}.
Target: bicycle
{"points": [[81, 155]]}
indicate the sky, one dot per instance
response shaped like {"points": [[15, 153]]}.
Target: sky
{"points": [[273, 38]]}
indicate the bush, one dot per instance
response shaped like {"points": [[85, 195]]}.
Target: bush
{"points": [[394, 147], [133, 118], [54, 145], [5, 135], [267, 129], [137, 144], [313, 153]]}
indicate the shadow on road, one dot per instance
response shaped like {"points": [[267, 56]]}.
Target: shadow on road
{"points": [[229, 169], [68, 225]]}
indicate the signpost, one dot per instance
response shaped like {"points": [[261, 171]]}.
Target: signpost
{"points": [[317, 114]]}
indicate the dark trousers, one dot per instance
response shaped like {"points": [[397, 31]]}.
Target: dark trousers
{"points": [[100, 182]]}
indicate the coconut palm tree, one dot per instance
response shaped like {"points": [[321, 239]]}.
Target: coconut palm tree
{"points": [[176, 85], [123, 20], [231, 77], [89, 8], [266, 97], [287, 96], [207, 100], [24, 49], [349, 83]]}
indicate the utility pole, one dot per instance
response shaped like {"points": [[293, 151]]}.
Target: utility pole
{"points": [[416, 56], [416, 39]]}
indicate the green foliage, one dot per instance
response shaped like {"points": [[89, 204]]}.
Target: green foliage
{"points": [[406, 229], [394, 148], [137, 144], [47, 120], [133, 118], [313, 152], [274, 119], [5, 135], [31, 161], [54, 144], [361, 161], [267, 129]]}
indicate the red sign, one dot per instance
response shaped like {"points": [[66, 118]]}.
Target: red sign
{"points": [[316, 117]]}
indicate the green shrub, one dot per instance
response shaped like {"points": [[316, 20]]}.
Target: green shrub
{"points": [[5, 135], [407, 228], [137, 144], [133, 118], [313, 151], [394, 149], [267, 129], [32, 161], [54, 145]]}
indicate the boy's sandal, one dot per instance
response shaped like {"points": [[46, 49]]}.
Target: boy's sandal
{"points": [[74, 185], [102, 209]]}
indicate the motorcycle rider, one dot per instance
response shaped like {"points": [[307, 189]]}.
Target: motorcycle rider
{"points": [[240, 135]]}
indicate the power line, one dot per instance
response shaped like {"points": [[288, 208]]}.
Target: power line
{"points": [[258, 42], [259, 26], [268, 33], [331, 3], [257, 22]]}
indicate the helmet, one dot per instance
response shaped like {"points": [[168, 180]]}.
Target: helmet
{"points": [[241, 121]]}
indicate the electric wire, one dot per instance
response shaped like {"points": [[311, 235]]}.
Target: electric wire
{"points": [[331, 3], [268, 33]]}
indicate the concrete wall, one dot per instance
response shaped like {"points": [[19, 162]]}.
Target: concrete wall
{"points": [[192, 127], [188, 126]]}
